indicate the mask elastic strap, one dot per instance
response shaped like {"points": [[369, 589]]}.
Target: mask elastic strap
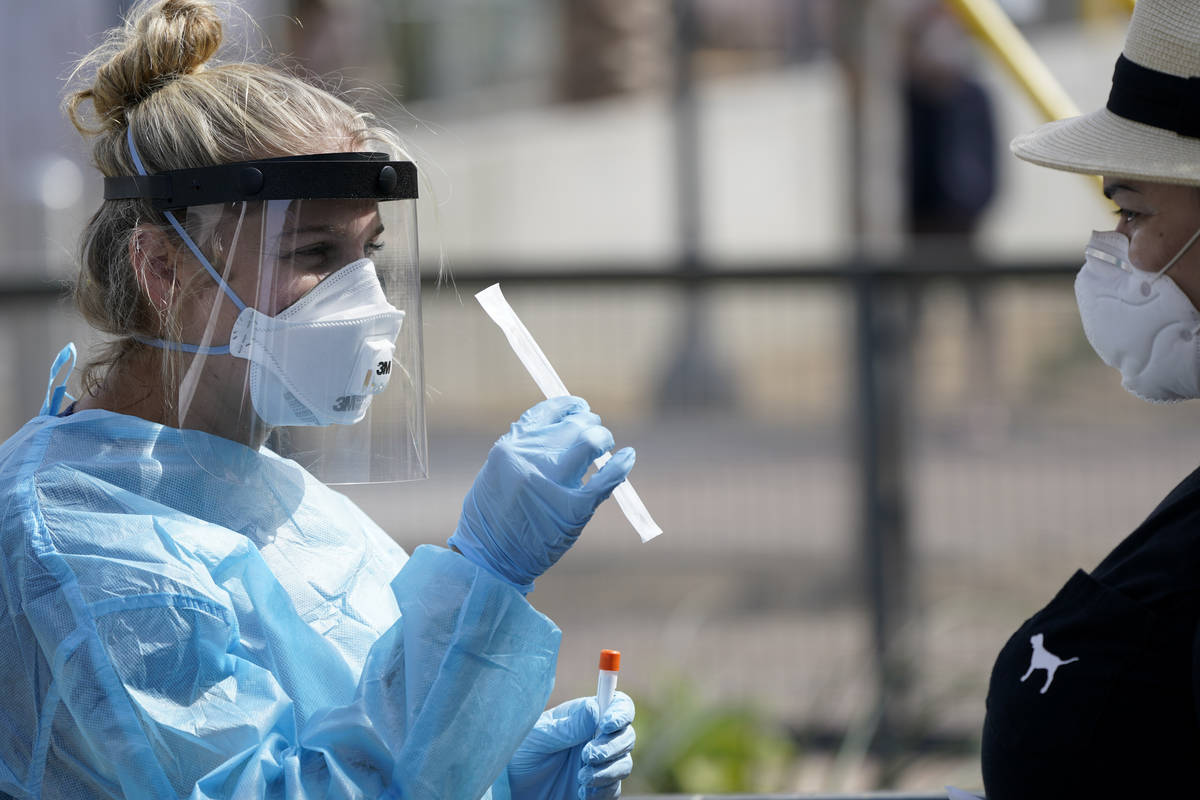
{"points": [[237, 301], [1178, 255], [180, 347], [1187, 246]]}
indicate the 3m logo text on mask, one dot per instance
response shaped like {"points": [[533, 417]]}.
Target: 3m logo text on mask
{"points": [[349, 402]]}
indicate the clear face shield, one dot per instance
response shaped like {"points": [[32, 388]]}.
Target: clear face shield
{"points": [[291, 311]]}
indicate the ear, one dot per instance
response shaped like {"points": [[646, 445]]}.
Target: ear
{"points": [[153, 265]]}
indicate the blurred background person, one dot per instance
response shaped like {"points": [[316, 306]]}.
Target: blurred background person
{"points": [[950, 173]]}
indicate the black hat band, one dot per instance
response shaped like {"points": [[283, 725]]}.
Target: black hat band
{"points": [[1155, 98]]}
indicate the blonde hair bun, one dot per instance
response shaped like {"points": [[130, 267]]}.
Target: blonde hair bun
{"points": [[160, 41]]}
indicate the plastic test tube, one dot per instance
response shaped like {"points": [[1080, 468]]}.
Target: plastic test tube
{"points": [[606, 684]]}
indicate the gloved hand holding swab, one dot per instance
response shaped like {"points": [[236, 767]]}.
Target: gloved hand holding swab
{"points": [[543, 374]]}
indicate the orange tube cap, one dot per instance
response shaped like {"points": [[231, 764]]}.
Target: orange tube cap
{"points": [[610, 660]]}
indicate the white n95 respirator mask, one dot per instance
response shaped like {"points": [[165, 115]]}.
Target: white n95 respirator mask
{"points": [[322, 359], [1139, 322]]}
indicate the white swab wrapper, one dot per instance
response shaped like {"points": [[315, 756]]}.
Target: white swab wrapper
{"points": [[543, 374]]}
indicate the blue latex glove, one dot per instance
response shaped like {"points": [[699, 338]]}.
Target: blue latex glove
{"points": [[528, 504], [564, 757]]}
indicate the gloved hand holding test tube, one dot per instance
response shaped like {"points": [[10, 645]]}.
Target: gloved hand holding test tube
{"points": [[543, 374], [606, 683]]}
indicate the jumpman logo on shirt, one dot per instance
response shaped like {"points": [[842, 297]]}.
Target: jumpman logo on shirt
{"points": [[1043, 659]]}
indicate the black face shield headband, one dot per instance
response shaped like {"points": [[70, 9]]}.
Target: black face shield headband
{"points": [[345, 176]]}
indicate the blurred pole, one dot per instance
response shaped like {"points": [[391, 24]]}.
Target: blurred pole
{"points": [[988, 22], [693, 378], [868, 32], [686, 129]]}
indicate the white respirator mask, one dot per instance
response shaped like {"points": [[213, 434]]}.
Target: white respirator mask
{"points": [[1139, 322], [320, 360]]}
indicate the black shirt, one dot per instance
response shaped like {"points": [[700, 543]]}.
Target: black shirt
{"points": [[1118, 717]]}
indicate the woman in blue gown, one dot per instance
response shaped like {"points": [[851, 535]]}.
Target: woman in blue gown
{"points": [[190, 611]]}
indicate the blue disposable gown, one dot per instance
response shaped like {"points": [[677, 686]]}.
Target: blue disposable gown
{"points": [[184, 616]]}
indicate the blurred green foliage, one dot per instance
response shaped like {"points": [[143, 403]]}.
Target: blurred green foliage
{"points": [[686, 745]]}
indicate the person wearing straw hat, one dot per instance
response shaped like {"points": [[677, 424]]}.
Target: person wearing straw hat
{"points": [[1098, 694]]}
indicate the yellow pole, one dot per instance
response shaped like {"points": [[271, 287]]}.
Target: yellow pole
{"points": [[1091, 10], [989, 22], [992, 26]]}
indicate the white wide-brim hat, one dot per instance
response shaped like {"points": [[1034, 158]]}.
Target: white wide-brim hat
{"points": [[1150, 128]]}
